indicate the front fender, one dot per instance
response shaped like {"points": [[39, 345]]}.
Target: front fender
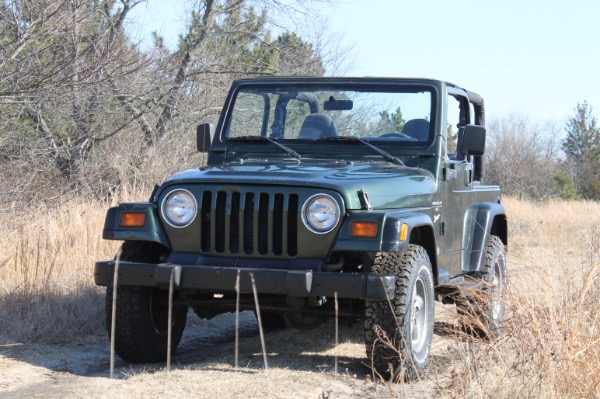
{"points": [[151, 230], [388, 232], [479, 222]]}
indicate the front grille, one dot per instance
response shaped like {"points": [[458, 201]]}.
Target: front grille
{"points": [[249, 223]]}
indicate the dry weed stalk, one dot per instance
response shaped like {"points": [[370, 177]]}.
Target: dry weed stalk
{"points": [[554, 329], [46, 280], [549, 345]]}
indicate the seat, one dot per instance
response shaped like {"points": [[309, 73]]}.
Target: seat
{"points": [[317, 126], [417, 129]]}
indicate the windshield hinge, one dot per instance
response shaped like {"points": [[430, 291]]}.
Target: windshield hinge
{"points": [[364, 200]]}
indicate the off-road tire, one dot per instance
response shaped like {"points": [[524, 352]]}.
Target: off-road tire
{"points": [[398, 332], [482, 316], [142, 314]]}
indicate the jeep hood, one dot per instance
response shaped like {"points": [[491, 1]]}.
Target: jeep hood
{"points": [[387, 185]]}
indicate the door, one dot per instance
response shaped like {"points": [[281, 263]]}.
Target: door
{"points": [[458, 182]]}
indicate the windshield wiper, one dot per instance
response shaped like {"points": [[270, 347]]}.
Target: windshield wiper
{"points": [[378, 150], [270, 140]]}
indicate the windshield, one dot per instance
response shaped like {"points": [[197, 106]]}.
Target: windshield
{"points": [[399, 116]]}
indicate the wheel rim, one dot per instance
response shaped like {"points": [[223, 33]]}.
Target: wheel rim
{"points": [[497, 306], [419, 315]]}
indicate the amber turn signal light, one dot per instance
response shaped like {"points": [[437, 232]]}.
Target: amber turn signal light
{"points": [[403, 231], [363, 229], [133, 219]]}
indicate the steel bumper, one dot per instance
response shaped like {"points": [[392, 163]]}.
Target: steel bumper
{"points": [[300, 283]]}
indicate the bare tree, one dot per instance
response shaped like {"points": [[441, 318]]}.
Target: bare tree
{"points": [[59, 58], [82, 107], [223, 40], [523, 156]]}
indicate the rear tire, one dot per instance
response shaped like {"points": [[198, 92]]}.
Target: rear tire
{"points": [[398, 337], [483, 315]]}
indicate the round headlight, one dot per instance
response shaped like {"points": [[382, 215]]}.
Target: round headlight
{"points": [[321, 213], [179, 208]]}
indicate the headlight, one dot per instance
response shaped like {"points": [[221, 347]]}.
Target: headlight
{"points": [[320, 213], [179, 208]]}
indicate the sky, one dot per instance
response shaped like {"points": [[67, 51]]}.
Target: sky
{"points": [[537, 58]]}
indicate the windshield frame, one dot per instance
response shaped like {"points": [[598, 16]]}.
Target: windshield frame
{"points": [[323, 84]]}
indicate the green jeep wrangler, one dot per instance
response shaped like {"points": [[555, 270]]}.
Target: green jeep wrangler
{"points": [[365, 189]]}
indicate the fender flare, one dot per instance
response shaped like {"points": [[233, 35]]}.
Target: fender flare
{"points": [[151, 231], [393, 226], [480, 220], [389, 228]]}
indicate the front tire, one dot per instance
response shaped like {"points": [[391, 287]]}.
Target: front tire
{"points": [[142, 313], [398, 332], [142, 323]]}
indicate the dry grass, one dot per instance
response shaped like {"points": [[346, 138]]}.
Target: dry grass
{"points": [[550, 343], [550, 346], [46, 266]]}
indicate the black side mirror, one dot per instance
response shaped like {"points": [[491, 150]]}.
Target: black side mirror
{"points": [[473, 140], [204, 135]]}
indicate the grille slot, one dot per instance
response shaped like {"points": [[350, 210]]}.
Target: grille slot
{"points": [[206, 221], [263, 224], [255, 224]]}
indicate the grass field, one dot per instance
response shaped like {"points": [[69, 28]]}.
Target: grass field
{"points": [[549, 347]]}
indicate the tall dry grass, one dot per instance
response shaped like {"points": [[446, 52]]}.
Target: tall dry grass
{"points": [[550, 341], [549, 348], [46, 271], [47, 256]]}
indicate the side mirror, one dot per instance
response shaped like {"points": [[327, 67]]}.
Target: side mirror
{"points": [[204, 135], [473, 140]]}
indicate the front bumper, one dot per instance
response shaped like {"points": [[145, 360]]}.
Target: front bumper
{"points": [[215, 279]]}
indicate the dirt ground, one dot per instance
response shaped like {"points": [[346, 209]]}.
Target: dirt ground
{"points": [[301, 365]]}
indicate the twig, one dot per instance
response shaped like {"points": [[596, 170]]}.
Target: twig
{"points": [[336, 330], [237, 319], [114, 314], [260, 327], [170, 321]]}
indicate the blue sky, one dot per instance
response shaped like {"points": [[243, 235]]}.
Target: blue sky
{"points": [[533, 57]]}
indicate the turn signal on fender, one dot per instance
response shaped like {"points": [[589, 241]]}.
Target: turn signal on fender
{"points": [[403, 231], [133, 219], [363, 229]]}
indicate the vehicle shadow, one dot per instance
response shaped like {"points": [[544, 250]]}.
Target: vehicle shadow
{"points": [[312, 350], [210, 344]]}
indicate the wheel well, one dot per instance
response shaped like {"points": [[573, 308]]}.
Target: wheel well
{"points": [[423, 236], [143, 251], [500, 228]]}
